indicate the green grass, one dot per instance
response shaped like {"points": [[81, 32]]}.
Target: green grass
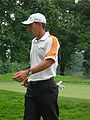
{"points": [[74, 109], [7, 83], [70, 79], [76, 91], [6, 77], [11, 107], [74, 100], [74, 87]]}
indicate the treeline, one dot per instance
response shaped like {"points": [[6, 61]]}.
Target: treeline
{"points": [[67, 20]]}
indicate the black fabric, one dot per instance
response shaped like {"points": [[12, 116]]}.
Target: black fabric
{"points": [[41, 100]]}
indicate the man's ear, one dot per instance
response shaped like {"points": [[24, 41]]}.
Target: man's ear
{"points": [[40, 24]]}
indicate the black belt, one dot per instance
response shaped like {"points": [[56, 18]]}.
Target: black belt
{"points": [[41, 81]]}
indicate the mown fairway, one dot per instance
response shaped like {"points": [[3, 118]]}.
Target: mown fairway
{"points": [[71, 90], [7, 83], [76, 91], [74, 100], [75, 88]]}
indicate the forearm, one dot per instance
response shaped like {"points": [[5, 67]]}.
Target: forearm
{"points": [[42, 66], [22, 75]]}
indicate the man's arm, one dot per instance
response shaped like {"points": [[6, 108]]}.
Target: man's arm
{"points": [[22, 75], [42, 66]]}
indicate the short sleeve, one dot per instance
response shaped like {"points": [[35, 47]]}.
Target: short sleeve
{"points": [[52, 48]]}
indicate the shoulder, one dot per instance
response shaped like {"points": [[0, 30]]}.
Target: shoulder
{"points": [[53, 38]]}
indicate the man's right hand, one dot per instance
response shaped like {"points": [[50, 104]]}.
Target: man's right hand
{"points": [[25, 83], [21, 75]]}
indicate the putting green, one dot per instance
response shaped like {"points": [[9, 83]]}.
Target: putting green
{"points": [[71, 90], [12, 86], [76, 91]]}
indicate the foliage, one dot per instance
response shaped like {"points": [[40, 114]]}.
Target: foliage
{"points": [[68, 21], [75, 34], [86, 63], [8, 67], [12, 36]]}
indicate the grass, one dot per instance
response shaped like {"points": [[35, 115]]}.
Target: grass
{"points": [[71, 90], [70, 79], [6, 77], [74, 87], [11, 107], [7, 83], [12, 86], [74, 100], [67, 79], [76, 91], [74, 109]]}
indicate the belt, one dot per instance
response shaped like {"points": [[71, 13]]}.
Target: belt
{"points": [[41, 81]]}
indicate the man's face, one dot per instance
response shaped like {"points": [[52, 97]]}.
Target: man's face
{"points": [[33, 28]]}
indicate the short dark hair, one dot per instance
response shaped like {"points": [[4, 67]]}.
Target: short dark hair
{"points": [[43, 24]]}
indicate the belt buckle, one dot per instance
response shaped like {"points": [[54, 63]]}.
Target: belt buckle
{"points": [[32, 82]]}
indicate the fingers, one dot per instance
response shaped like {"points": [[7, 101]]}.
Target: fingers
{"points": [[26, 80], [20, 76], [17, 78], [17, 73]]}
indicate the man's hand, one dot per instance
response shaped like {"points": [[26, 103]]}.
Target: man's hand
{"points": [[21, 75], [25, 83]]}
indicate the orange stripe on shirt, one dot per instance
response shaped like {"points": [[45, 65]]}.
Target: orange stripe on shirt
{"points": [[52, 52]]}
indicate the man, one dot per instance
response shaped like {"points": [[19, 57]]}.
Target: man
{"points": [[42, 92]]}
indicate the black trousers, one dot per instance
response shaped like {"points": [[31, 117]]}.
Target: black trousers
{"points": [[41, 100]]}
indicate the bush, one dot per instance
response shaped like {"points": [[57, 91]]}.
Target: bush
{"points": [[8, 67]]}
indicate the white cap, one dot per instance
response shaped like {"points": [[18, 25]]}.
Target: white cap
{"points": [[37, 17]]}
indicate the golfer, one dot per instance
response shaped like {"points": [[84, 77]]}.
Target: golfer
{"points": [[42, 92]]}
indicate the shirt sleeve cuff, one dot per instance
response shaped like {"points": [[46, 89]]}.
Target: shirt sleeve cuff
{"points": [[50, 57]]}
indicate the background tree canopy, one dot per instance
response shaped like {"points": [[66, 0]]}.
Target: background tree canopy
{"points": [[67, 20]]}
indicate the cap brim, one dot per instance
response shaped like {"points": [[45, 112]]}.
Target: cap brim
{"points": [[27, 22]]}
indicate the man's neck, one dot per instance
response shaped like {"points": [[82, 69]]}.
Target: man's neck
{"points": [[41, 34]]}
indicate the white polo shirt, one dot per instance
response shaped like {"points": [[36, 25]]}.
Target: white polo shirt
{"points": [[42, 49]]}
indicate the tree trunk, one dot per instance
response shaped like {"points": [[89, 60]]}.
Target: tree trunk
{"points": [[61, 64], [62, 69]]}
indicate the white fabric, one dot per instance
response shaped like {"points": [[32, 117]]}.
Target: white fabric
{"points": [[38, 51], [37, 17]]}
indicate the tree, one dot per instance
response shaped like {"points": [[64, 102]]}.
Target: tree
{"points": [[13, 37], [68, 21], [84, 11], [72, 26]]}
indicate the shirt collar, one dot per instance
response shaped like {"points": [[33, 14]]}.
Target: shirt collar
{"points": [[43, 38]]}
